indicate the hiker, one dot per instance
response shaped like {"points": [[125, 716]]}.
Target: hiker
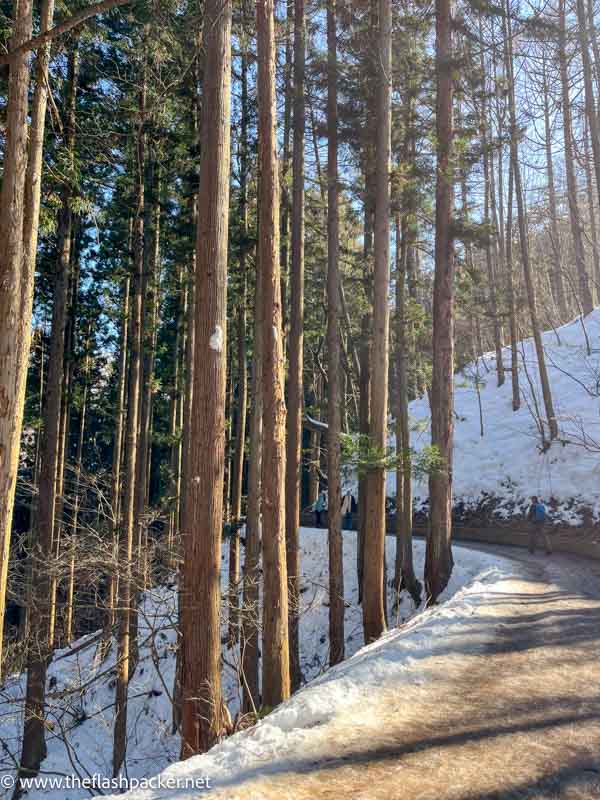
{"points": [[348, 509], [538, 519], [319, 507]]}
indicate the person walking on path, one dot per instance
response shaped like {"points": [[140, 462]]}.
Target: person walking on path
{"points": [[320, 507], [538, 521]]}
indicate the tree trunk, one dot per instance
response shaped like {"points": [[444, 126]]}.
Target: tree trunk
{"points": [[150, 298], [556, 275], [117, 457], [523, 237], [52, 459], [374, 544], [364, 415], [512, 306], [242, 403], [16, 284], [202, 706], [285, 200], [128, 513], [251, 614], [293, 475], [33, 185], [439, 562], [334, 400], [186, 465], [590, 102], [589, 185], [585, 294], [275, 653], [491, 267], [70, 609], [237, 472], [175, 419], [593, 30], [405, 577]]}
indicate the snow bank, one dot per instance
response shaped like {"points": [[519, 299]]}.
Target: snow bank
{"points": [[81, 709], [404, 656], [507, 462]]}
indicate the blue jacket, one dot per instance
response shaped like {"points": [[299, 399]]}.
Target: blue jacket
{"points": [[321, 503], [537, 513]]}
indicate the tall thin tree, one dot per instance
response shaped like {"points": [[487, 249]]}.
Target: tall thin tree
{"points": [[374, 545], [293, 472], [334, 400], [203, 518], [439, 562], [50, 481], [127, 511], [585, 293], [15, 321], [515, 171], [275, 652]]}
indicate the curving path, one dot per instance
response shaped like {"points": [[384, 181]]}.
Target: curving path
{"points": [[518, 717]]}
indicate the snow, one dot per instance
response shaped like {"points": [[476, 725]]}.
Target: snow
{"points": [[85, 715], [301, 727], [507, 464], [216, 340]]}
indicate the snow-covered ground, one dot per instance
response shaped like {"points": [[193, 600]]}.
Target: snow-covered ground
{"points": [[301, 729], [507, 461], [81, 689]]}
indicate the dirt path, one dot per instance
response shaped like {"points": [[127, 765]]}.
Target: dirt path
{"points": [[519, 717]]}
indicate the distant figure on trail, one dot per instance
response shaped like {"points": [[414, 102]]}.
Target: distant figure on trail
{"points": [[320, 507], [538, 519], [348, 508]]}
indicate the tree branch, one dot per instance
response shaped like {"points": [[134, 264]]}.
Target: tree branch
{"points": [[316, 425], [63, 27]]}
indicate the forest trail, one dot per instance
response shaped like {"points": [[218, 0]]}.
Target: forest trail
{"points": [[510, 711]]}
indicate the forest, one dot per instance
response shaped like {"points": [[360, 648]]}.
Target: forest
{"points": [[238, 242]]}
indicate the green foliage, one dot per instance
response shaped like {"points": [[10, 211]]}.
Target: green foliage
{"points": [[360, 455]]}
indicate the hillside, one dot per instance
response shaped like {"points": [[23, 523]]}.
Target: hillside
{"points": [[82, 687], [498, 454]]}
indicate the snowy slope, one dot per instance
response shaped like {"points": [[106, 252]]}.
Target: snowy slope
{"points": [[300, 730], [85, 714], [507, 461]]}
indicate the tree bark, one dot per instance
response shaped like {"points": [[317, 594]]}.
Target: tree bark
{"points": [[237, 472], [251, 614], [491, 267], [176, 418], [556, 275], [293, 473], [285, 203], [275, 652], [117, 455], [590, 102], [439, 561], [585, 294], [374, 544], [150, 299], [512, 306], [127, 521], [52, 460], [523, 236], [70, 605], [364, 415], [202, 706], [589, 185], [334, 400], [15, 284], [404, 577]]}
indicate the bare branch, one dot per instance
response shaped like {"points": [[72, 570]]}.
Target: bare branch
{"points": [[63, 27]]}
